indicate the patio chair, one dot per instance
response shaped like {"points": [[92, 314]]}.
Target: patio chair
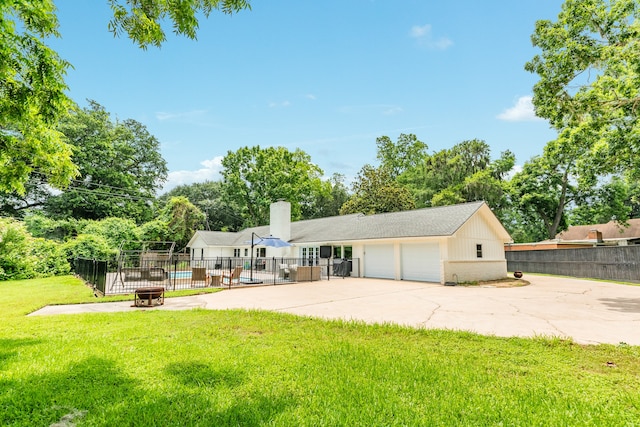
{"points": [[284, 271], [234, 276], [198, 274]]}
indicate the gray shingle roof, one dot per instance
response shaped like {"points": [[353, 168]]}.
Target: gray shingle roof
{"points": [[438, 221]]}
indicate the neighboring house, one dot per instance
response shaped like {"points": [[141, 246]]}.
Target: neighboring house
{"points": [[587, 236], [456, 243]]}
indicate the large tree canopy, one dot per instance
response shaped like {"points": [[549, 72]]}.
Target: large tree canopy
{"points": [[402, 155], [32, 87], [120, 166], [255, 177], [462, 173], [589, 71], [375, 191], [209, 197]]}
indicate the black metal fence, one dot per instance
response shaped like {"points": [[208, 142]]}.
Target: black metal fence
{"points": [[620, 263], [93, 272], [226, 272]]}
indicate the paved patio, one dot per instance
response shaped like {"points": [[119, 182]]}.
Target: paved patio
{"points": [[589, 312]]}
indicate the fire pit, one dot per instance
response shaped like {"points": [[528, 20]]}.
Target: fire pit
{"points": [[150, 296]]}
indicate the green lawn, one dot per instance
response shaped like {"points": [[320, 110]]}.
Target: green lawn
{"points": [[216, 368]]}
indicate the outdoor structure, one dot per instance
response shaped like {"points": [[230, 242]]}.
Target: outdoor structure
{"points": [[587, 236], [456, 243]]}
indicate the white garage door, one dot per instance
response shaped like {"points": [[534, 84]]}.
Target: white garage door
{"points": [[378, 261], [421, 261]]}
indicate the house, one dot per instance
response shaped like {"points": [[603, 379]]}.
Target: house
{"points": [[587, 236], [455, 243]]}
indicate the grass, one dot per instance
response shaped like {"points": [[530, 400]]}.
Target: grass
{"points": [[251, 368]]}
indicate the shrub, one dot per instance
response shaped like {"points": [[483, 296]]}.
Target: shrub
{"points": [[51, 258], [114, 230], [89, 246]]}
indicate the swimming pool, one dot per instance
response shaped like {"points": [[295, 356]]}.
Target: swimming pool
{"points": [[181, 275]]}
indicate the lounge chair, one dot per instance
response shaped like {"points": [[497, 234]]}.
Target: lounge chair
{"points": [[198, 274], [234, 276]]}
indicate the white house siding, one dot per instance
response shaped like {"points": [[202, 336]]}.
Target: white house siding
{"points": [[462, 263], [379, 261], [420, 261]]}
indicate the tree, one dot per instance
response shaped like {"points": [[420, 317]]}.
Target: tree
{"points": [[182, 219], [120, 168], [32, 97], [328, 201], [401, 156], [589, 73], [32, 87], [375, 191], [610, 201], [209, 198], [462, 173], [548, 184], [255, 177]]}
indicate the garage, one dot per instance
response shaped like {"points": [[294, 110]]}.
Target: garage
{"points": [[420, 261], [379, 261]]}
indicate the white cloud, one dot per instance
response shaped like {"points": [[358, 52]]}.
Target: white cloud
{"points": [[310, 96], [210, 172], [522, 111], [181, 116], [426, 39]]}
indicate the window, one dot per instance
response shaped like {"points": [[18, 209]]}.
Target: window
{"points": [[478, 251], [246, 252], [337, 251], [236, 253], [261, 252]]}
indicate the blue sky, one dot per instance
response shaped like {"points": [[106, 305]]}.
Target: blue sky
{"points": [[328, 77]]}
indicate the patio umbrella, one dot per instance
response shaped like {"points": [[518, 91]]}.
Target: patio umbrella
{"points": [[270, 241]]}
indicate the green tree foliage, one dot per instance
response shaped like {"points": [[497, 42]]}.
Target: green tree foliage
{"points": [[375, 191], [255, 177], [548, 184], [209, 198], [89, 246], [32, 97], [328, 201], [610, 201], [463, 173], [398, 157], [32, 87], [143, 20], [115, 231], [16, 205], [182, 219], [61, 230], [589, 71], [120, 166], [154, 231], [24, 257]]}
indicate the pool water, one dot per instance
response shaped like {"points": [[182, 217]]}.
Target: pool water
{"points": [[181, 275]]}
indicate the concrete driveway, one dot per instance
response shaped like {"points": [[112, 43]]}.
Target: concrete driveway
{"points": [[589, 312]]}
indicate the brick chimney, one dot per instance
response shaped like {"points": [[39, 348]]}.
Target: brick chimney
{"points": [[595, 235]]}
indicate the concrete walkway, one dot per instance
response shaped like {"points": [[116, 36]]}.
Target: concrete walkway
{"points": [[589, 312]]}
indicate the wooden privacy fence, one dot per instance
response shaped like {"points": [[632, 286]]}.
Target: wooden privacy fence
{"points": [[601, 262]]}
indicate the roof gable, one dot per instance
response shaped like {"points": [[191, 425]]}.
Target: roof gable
{"points": [[611, 230]]}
